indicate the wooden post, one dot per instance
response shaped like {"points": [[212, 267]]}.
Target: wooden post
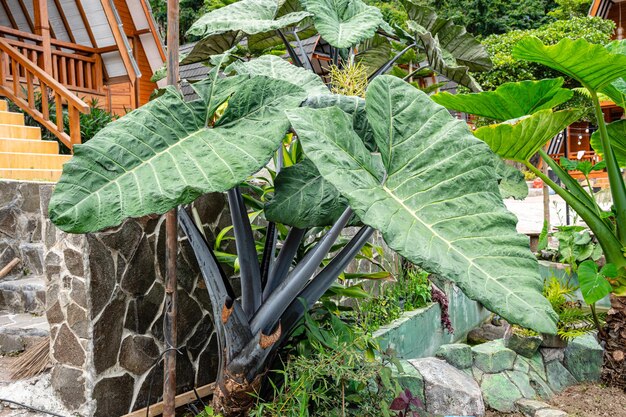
{"points": [[546, 193], [171, 230], [42, 28]]}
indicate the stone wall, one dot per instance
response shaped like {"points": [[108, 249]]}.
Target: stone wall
{"points": [[105, 299]]}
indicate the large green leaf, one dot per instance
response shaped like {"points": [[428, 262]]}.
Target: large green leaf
{"points": [[303, 198], [518, 140], [247, 16], [617, 136], [590, 64], [593, 283], [510, 100], [441, 60], [305, 29], [438, 204], [163, 154], [344, 23], [374, 53], [276, 67], [210, 46], [617, 90], [512, 182], [454, 39]]}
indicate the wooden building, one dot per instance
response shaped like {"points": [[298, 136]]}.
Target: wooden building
{"points": [[575, 142], [66, 53]]}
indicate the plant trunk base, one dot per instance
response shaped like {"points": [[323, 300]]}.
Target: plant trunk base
{"points": [[234, 398], [614, 369]]}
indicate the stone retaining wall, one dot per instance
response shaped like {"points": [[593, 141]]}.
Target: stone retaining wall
{"points": [[105, 300]]}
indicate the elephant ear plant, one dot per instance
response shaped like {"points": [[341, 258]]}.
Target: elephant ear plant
{"points": [[528, 123]]}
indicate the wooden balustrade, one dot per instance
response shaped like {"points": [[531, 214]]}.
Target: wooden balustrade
{"points": [[18, 67], [75, 66]]}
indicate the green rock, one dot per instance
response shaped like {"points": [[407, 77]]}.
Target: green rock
{"points": [[499, 392], [478, 374], [456, 354], [493, 357], [583, 358], [559, 377], [536, 364], [522, 382], [523, 345], [540, 385], [409, 378], [521, 364], [529, 407]]}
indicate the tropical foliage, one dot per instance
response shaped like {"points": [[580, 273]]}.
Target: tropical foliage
{"points": [[394, 161]]}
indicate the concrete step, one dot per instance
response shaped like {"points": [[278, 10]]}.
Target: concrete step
{"points": [[19, 330], [15, 160], [29, 146], [19, 132], [23, 295], [11, 118], [44, 175]]}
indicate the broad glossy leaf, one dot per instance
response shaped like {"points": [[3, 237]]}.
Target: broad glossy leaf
{"points": [[593, 283], [354, 106], [510, 100], [441, 60], [511, 181], [518, 140], [617, 136], [439, 205], [344, 23], [247, 16], [466, 49], [304, 199], [212, 45], [590, 64], [305, 29], [374, 53], [163, 154], [276, 67], [617, 90]]}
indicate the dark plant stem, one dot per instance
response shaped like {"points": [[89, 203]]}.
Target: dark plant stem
{"points": [[596, 321], [292, 53], [390, 63]]}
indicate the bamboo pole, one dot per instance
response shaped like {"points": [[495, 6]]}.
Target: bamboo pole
{"points": [[171, 231]]}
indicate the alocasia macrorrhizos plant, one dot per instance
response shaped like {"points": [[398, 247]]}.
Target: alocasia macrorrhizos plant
{"points": [[430, 189], [529, 123]]}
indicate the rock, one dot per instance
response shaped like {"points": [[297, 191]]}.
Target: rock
{"points": [[583, 358], [409, 378], [140, 273], [536, 364], [102, 275], [559, 377], [67, 349], [74, 262], [457, 354], [113, 396], [523, 345], [522, 382], [77, 320], [493, 357], [552, 354], [499, 392], [521, 364], [477, 374], [447, 390], [550, 413], [540, 385], [107, 334], [10, 343], [138, 354], [485, 333], [68, 384], [529, 407]]}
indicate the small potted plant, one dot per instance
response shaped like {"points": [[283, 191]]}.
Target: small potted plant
{"points": [[523, 341]]}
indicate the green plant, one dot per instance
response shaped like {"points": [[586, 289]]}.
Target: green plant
{"points": [[575, 245], [529, 175], [431, 192], [332, 372]]}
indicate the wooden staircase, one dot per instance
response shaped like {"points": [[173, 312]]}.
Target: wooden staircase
{"points": [[23, 154]]}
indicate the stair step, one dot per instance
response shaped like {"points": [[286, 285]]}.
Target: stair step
{"points": [[4, 105], [19, 330], [19, 132], [45, 175], [11, 118], [23, 295], [29, 146], [32, 160]]}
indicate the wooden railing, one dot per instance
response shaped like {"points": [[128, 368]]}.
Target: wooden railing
{"points": [[75, 66], [17, 70]]}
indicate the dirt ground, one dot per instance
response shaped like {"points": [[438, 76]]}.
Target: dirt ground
{"points": [[589, 400]]}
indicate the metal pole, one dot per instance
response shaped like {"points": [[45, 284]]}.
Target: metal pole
{"points": [[171, 235]]}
